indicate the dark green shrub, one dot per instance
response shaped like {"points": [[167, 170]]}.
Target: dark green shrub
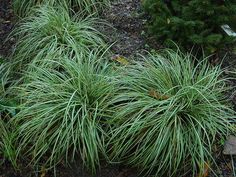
{"points": [[191, 22], [168, 115]]}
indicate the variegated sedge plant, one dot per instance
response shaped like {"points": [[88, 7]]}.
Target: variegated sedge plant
{"points": [[7, 111], [23, 8], [65, 110], [52, 31], [169, 113]]}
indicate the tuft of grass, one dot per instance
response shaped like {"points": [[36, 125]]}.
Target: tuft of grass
{"points": [[168, 115], [51, 31], [65, 110], [5, 88], [7, 139], [3, 82], [7, 110], [23, 8]]}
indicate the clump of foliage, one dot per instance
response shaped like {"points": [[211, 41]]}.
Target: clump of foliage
{"points": [[7, 110], [168, 114], [191, 22], [64, 111], [7, 139], [5, 83], [51, 31], [3, 103], [23, 7]]}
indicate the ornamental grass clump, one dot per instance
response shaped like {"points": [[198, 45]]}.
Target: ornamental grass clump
{"points": [[23, 8], [51, 31], [5, 88], [7, 135], [7, 139], [4, 80], [64, 112], [168, 115], [3, 130]]}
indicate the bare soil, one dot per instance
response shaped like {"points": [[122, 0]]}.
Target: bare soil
{"points": [[6, 25]]}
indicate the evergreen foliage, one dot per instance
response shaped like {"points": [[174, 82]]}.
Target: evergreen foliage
{"points": [[191, 22], [64, 112], [169, 114], [7, 131], [52, 31]]}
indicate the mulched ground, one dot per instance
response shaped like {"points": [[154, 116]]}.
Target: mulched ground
{"points": [[128, 37], [128, 20], [125, 17], [6, 25]]}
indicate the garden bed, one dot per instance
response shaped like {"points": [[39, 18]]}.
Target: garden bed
{"points": [[124, 46], [129, 23]]}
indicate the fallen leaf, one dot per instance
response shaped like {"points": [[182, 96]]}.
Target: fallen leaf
{"points": [[205, 171], [43, 172], [120, 59], [229, 166], [153, 93]]}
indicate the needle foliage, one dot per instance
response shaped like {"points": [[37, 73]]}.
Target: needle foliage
{"points": [[169, 112], [64, 111], [51, 31], [191, 22]]}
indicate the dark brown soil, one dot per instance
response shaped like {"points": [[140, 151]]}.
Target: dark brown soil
{"points": [[128, 20], [128, 34], [75, 170], [6, 25], [125, 18]]}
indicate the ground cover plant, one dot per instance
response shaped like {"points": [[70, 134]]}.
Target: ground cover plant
{"points": [[51, 31], [191, 23], [7, 140], [169, 112], [3, 103], [64, 112], [161, 114], [23, 7], [7, 110], [5, 85]]}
